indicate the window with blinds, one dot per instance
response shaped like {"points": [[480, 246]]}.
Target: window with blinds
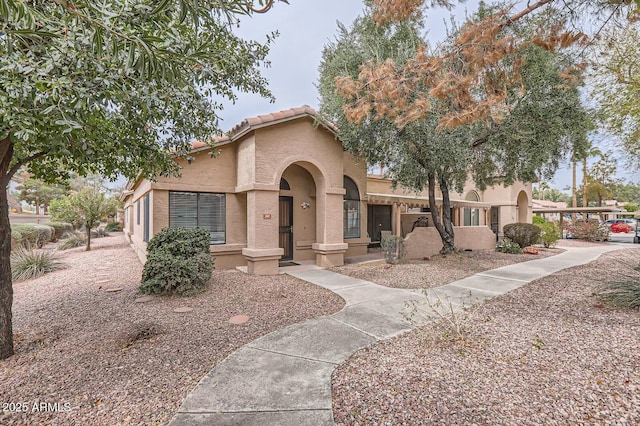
{"points": [[199, 209], [147, 217]]}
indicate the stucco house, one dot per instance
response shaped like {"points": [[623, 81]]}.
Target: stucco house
{"points": [[282, 187]]}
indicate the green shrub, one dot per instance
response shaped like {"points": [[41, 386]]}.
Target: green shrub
{"points": [[72, 240], [590, 230], [28, 234], [523, 234], [538, 220], [167, 274], [32, 234], [46, 234], [61, 228], [505, 245], [113, 227], [29, 263], [550, 234], [178, 261], [184, 242], [393, 247]]}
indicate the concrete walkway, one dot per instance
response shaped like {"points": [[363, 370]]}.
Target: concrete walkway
{"points": [[284, 378]]}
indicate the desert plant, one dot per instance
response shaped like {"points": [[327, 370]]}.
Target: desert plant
{"points": [[550, 234], [72, 240], [505, 245], [624, 289], [99, 232], [590, 230], [178, 261], [393, 247], [538, 220], [27, 263], [60, 228], [523, 234], [113, 227]]}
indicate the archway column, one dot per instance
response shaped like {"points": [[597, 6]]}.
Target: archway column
{"points": [[330, 246], [262, 252]]}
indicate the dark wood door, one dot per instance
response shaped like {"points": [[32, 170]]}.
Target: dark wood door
{"points": [[378, 219], [286, 227]]}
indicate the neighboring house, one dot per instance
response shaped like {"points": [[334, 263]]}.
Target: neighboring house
{"points": [[546, 204], [283, 187]]}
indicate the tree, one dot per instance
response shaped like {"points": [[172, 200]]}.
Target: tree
{"points": [[617, 87], [113, 87], [85, 208], [590, 151], [361, 92], [601, 179], [552, 194], [38, 193]]}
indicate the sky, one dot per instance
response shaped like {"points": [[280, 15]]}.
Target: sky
{"points": [[305, 27]]}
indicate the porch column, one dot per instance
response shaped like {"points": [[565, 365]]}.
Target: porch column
{"points": [[263, 252], [398, 208], [330, 246]]}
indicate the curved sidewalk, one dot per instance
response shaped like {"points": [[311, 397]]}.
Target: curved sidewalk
{"points": [[284, 378]]}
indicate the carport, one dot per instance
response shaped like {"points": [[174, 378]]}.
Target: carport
{"points": [[586, 212]]}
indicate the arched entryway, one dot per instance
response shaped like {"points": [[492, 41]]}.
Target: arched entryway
{"points": [[297, 213], [471, 215], [522, 209]]}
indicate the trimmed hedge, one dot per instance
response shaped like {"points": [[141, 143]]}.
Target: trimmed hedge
{"points": [[112, 227], [523, 234], [178, 262], [31, 234], [61, 228]]}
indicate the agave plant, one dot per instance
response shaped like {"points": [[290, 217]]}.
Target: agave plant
{"points": [[27, 263]]}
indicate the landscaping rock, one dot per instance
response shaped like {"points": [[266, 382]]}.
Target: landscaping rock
{"points": [[239, 319], [183, 310], [531, 250]]}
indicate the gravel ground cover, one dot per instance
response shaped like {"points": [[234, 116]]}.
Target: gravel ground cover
{"points": [[106, 360], [548, 353], [437, 270]]}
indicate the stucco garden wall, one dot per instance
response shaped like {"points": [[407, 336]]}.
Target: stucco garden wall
{"points": [[427, 242]]}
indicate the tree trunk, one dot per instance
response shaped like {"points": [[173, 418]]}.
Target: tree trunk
{"points": [[6, 284], [574, 166], [37, 205], [446, 230], [584, 182], [88, 228]]}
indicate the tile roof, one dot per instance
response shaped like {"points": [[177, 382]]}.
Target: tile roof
{"points": [[265, 120]]}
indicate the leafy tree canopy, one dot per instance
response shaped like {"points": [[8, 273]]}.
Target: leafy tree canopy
{"points": [[540, 119]]}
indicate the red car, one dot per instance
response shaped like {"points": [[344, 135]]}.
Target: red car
{"points": [[621, 227]]}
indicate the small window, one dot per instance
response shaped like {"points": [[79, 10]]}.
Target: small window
{"points": [[145, 233], [138, 212], [351, 209], [284, 185], [199, 209]]}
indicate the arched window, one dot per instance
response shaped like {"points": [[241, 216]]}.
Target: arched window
{"points": [[284, 185], [471, 216], [351, 212]]}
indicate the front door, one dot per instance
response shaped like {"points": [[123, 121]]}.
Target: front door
{"points": [[286, 227], [495, 223], [378, 219]]}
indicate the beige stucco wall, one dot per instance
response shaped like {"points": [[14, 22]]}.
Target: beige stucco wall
{"points": [[356, 169], [427, 242]]}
